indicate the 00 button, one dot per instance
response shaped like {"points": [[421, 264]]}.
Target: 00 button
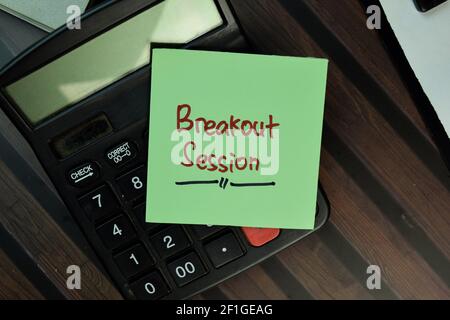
{"points": [[186, 269]]}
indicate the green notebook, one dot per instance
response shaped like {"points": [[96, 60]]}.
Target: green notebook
{"points": [[234, 139]]}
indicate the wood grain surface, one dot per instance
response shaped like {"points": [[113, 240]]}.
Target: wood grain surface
{"points": [[47, 249], [388, 188], [14, 284]]}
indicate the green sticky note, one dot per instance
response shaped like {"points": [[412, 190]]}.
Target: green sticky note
{"points": [[234, 139]]}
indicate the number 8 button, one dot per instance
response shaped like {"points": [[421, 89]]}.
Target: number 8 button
{"points": [[133, 183], [186, 269]]}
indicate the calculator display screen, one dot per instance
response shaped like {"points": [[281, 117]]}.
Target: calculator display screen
{"points": [[111, 56]]}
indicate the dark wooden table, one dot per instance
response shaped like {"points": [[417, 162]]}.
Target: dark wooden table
{"points": [[386, 184]]}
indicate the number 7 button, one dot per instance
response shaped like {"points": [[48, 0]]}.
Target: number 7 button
{"points": [[99, 203]]}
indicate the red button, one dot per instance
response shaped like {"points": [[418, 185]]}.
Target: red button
{"points": [[260, 236]]}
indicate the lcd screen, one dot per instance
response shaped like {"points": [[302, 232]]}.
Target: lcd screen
{"points": [[45, 14], [111, 56]]}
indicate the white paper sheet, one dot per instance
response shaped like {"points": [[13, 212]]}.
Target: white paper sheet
{"points": [[425, 39]]}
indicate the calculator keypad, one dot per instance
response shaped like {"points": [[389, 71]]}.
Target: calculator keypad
{"points": [[165, 246], [154, 259]]}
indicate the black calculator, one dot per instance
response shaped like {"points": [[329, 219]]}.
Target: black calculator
{"points": [[81, 97]]}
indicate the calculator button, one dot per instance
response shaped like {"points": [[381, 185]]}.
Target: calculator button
{"points": [[84, 174], [223, 250], [203, 231], [170, 241], [133, 183], [151, 287], [258, 237], [186, 269], [133, 260], [99, 203], [116, 232], [139, 212], [121, 153]]}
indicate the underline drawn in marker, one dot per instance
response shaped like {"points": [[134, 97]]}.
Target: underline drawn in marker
{"points": [[223, 182], [258, 184], [185, 183]]}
